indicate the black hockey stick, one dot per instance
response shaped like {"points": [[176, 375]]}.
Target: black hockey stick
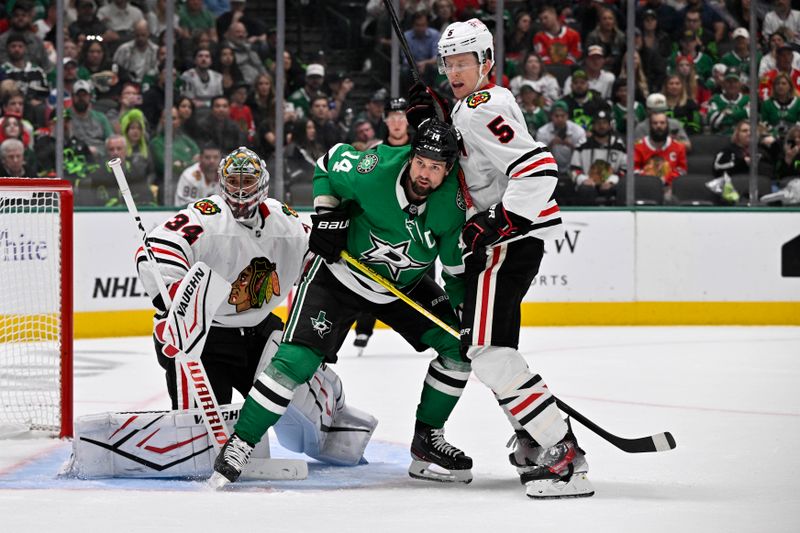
{"points": [[660, 442]]}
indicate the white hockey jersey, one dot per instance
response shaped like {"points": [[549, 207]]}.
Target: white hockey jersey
{"points": [[192, 186], [261, 263], [502, 162]]}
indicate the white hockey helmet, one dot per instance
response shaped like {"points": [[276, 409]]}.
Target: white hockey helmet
{"points": [[243, 181], [470, 36]]}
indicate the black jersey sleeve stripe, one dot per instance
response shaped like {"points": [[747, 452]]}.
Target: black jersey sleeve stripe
{"points": [[171, 263], [523, 158], [547, 224], [168, 244], [540, 173]]}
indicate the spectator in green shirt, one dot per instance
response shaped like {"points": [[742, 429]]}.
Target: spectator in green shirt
{"points": [[782, 110], [739, 57], [729, 107], [195, 18]]}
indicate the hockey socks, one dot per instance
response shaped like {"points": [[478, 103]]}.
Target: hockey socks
{"points": [[443, 386], [533, 406]]}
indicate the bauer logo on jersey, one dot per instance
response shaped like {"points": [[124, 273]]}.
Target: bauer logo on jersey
{"points": [[207, 207], [255, 285], [367, 163], [478, 98]]}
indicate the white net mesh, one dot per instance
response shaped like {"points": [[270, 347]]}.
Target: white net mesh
{"points": [[30, 309]]}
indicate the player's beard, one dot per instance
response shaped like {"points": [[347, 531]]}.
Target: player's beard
{"points": [[419, 189]]}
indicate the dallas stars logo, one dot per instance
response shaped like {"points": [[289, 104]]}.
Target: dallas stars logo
{"points": [[321, 325], [394, 256]]}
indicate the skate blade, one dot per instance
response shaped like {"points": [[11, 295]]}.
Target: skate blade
{"points": [[217, 481], [420, 470], [578, 486]]}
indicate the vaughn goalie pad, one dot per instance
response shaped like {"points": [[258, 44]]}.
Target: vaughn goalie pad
{"points": [[161, 444]]}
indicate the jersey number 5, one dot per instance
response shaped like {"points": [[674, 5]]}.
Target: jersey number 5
{"points": [[500, 129], [190, 233]]}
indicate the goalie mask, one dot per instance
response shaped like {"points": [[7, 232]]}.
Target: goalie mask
{"points": [[464, 37], [436, 140], [243, 181]]}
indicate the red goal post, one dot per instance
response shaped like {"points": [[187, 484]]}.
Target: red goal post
{"points": [[36, 315]]}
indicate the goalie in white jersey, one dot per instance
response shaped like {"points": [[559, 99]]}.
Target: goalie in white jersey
{"points": [[510, 179]]}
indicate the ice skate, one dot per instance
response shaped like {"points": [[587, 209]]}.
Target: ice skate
{"points": [[360, 342], [230, 462], [429, 448], [557, 472]]}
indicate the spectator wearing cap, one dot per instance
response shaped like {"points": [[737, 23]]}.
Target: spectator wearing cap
{"points": [[533, 71], [681, 107], [619, 107], [195, 18], [327, 132], [781, 111], [556, 43], [777, 41], [729, 107], [783, 64], [583, 102], [667, 15], [657, 103], [657, 153], [201, 83], [89, 125], [19, 69], [701, 18], [87, 23], [600, 80], [394, 115], [422, 41], [21, 23], [247, 58], [339, 87], [12, 159], [692, 47], [219, 129], [598, 163], [139, 56], [653, 36], [609, 37], [120, 16], [373, 113], [301, 98], [531, 102], [783, 16], [739, 55], [561, 136]]}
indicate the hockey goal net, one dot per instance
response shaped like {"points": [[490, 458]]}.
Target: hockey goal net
{"points": [[35, 306]]}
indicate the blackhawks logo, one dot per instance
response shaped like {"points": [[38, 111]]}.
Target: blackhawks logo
{"points": [[255, 285], [367, 163], [477, 99], [207, 207], [289, 211]]}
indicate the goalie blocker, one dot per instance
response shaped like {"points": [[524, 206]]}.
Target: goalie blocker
{"points": [[175, 444]]}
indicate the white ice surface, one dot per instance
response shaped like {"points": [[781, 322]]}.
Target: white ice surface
{"points": [[728, 395]]}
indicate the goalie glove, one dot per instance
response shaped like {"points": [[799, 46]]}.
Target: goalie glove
{"points": [[329, 234], [491, 226], [423, 103]]}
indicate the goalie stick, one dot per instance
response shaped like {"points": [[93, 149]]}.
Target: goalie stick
{"points": [[659, 442], [193, 368]]}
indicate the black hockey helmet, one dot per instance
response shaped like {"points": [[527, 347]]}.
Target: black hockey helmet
{"points": [[395, 104], [436, 140]]}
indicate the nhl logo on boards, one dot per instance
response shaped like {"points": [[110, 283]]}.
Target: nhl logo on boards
{"points": [[478, 98], [207, 207], [367, 163]]}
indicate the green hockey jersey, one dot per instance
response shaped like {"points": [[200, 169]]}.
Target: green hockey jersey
{"points": [[399, 240]]}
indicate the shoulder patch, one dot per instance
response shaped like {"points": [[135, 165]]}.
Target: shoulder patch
{"points": [[460, 200], [289, 211], [367, 163], [207, 207], [478, 98]]}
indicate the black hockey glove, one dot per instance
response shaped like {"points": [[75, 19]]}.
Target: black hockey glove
{"points": [[422, 104], [490, 226], [329, 234]]}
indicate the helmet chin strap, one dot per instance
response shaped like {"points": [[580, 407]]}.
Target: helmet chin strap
{"points": [[481, 79]]}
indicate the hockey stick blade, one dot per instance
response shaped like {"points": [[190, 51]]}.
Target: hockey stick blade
{"points": [[660, 442]]}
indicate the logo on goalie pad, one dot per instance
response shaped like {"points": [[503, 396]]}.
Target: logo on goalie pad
{"points": [[321, 325], [207, 207], [255, 285]]}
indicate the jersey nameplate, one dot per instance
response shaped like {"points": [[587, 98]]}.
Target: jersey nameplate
{"points": [[207, 207], [478, 98], [367, 163]]}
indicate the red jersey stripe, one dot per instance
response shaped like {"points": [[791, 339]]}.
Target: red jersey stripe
{"points": [[537, 163]]}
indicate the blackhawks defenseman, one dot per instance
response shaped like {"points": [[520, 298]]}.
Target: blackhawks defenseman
{"points": [[395, 209], [510, 179]]}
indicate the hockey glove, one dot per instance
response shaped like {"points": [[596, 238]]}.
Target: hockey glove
{"points": [[422, 104], [490, 226], [329, 234]]}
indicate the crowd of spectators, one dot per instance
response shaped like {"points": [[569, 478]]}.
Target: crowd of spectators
{"points": [[565, 61]]}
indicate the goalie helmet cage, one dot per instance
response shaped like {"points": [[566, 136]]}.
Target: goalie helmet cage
{"points": [[36, 305]]}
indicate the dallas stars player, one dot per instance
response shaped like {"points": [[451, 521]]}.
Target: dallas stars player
{"points": [[396, 209], [511, 179]]}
